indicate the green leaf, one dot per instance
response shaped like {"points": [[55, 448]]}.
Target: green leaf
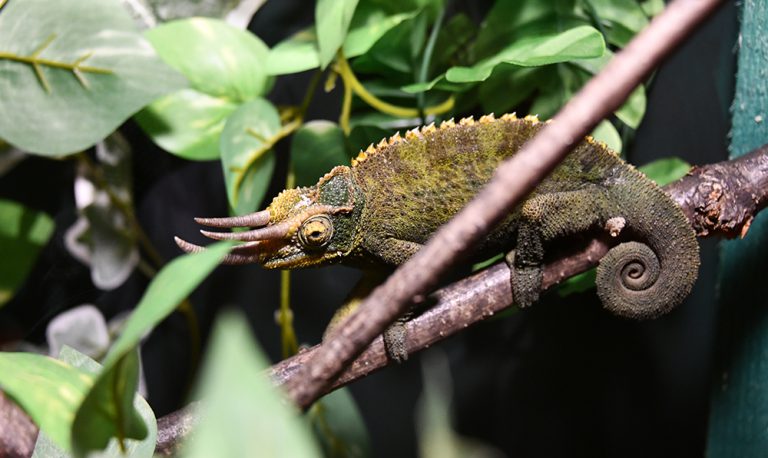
{"points": [[437, 437], [579, 283], [538, 47], [665, 171], [187, 123], [339, 426], [23, 233], [46, 448], [300, 52], [59, 111], [249, 133], [317, 147], [50, 391], [633, 110], [225, 67], [332, 19], [606, 133], [107, 409], [623, 18], [244, 411]]}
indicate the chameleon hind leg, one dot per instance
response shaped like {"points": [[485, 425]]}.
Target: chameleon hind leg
{"points": [[545, 217]]}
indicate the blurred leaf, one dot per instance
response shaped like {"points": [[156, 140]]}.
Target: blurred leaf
{"points": [[339, 426], [102, 237], [249, 132], [437, 438], [82, 328], [622, 18], [245, 413], [59, 111], [505, 18], [579, 283], [633, 110], [48, 390], [9, 157], [455, 35], [23, 233], [187, 123], [45, 448], [606, 133], [107, 408], [665, 171], [652, 7], [225, 67], [300, 52], [516, 83], [317, 147], [538, 47], [332, 19], [167, 10]]}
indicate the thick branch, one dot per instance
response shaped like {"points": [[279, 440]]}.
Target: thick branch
{"points": [[601, 95]]}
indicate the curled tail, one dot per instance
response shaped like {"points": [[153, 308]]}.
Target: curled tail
{"points": [[649, 276]]}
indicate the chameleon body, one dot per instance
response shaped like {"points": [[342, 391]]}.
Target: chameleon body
{"points": [[396, 194]]}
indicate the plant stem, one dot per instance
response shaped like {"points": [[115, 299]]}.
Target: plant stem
{"points": [[350, 80]]}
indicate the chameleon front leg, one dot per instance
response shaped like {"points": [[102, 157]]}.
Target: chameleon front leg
{"points": [[394, 252], [545, 217]]}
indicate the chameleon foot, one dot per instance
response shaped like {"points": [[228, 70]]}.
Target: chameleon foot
{"points": [[394, 342], [526, 283]]}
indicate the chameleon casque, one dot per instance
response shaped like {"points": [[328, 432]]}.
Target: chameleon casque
{"points": [[383, 208]]}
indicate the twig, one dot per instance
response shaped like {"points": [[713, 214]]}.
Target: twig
{"points": [[601, 95]]}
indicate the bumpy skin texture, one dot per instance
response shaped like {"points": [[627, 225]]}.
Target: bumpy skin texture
{"points": [[396, 194]]}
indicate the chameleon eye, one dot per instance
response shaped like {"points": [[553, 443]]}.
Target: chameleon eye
{"points": [[316, 232]]}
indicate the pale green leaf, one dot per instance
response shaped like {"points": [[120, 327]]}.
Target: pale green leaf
{"points": [[332, 19], [58, 111], [317, 147], [245, 414], [23, 233], [246, 153]]}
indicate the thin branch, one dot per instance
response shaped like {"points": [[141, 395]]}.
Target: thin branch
{"points": [[601, 96]]}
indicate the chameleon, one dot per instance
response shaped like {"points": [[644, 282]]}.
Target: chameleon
{"points": [[384, 207]]}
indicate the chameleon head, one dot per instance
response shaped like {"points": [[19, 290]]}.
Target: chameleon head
{"points": [[300, 228]]}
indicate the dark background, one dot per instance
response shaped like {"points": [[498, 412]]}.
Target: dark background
{"points": [[563, 378]]}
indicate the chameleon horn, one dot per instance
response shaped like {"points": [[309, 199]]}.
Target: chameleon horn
{"points": [[256, 219], [277, 231], [241, 254]]}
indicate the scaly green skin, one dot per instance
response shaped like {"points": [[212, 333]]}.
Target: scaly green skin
{"points": [[396, 195]]}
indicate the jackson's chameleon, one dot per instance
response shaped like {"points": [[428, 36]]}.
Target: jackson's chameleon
{"points": [[384, 207]]}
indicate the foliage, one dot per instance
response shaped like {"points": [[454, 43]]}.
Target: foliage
{"points": [[74, 71]]}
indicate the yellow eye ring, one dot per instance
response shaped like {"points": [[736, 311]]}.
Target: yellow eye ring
{"points": [[316, 232]]}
